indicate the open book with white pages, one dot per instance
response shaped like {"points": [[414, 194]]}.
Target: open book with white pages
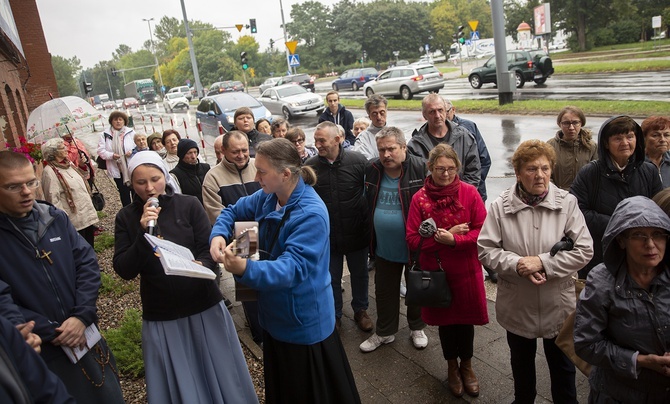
{"points": [[92, 335], [178, 260]]}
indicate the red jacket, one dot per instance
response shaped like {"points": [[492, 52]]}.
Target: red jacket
{"points": [[460, 262]]}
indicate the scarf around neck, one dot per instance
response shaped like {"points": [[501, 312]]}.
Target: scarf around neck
{"points": [[64, 165], [445, 197], [528, 198], [118, 148]]}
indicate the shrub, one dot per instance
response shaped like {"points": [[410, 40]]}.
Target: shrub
{"points": [[103, 242], [126, 344], [113, 286]]}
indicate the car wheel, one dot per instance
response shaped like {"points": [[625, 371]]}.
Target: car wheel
{"points": [[286, 113], [369, 92], [475, 81], [354, 86], [519, 80], [406, 93], [541, 81], [335, 88]]}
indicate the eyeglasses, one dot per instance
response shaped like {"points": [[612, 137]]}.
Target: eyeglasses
{"points": [[16, 188], [299, 141], [567, 124], [442, 170], [643, 238]]}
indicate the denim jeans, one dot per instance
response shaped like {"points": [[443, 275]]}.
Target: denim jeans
{"points": [[561, 370], [357, 261]]}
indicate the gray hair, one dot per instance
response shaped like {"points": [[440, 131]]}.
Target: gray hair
{"points": [[329, 127], [432, 97], [365, 121], [392, 132], [50, 148], [374, 101]]}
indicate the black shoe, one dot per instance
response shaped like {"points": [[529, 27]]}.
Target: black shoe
{"points": [[229, 304]]}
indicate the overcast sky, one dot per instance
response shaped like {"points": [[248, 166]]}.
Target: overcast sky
{"points": [[93, 29]]}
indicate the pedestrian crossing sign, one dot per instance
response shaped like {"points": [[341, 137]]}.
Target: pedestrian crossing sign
{"points": [[474, 35], [294, 60]]}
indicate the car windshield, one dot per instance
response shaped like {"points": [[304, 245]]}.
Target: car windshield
{"points": [[427, 70], [289, 91], [237, 100], [174, 95]]}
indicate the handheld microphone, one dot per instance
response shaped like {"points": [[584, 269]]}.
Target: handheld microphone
{"points": [[153, 202]]}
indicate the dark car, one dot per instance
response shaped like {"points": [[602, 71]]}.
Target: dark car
{"points": [[304, 80], [130, 102], [354, 78], [532, 65], [221, 108], [218, 87], [234, 86]]}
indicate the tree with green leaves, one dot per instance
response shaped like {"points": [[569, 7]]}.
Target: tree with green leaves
{"points": [[65, 71]]}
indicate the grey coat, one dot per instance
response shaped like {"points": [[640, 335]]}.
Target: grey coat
{"points": [[617, 320]]}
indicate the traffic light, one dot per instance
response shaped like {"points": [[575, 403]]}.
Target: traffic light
{"points": [[88, 87], [459, 34], [113, 71], [272, 43], [365, 55], [252, 23], [243, 59]]}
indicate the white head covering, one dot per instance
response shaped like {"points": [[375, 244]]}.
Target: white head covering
{"points": [[151, 157]]}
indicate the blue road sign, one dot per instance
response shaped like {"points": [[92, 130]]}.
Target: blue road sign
{"points": [[474, 35], [294, 60]]}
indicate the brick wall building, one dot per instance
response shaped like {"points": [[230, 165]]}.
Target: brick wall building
{"points": [[25, 68]]}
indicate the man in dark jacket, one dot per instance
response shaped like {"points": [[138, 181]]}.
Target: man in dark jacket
{"points": [[244, 122], [189, 172], [620, 172], [340, 184], [53, 277], [438, 129], [390, 182], [337, 114]]}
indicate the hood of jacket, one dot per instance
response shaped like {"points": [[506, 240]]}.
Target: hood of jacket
{"points": [[604, 155], [633, 212]]}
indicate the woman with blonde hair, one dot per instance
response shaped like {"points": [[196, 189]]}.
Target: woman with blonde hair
{"points": [[65, 187]]}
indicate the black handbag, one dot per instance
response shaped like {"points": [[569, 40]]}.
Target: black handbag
{"points": [[97, 198], [102, 163], [427, 288]]}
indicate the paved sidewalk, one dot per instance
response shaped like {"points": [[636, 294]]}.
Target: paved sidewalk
{"points": [[399, 373]]}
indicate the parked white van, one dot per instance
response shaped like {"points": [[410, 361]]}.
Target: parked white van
{"points": [[184, 90]]}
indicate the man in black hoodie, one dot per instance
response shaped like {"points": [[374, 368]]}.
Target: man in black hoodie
{"points": [[337, 114]]}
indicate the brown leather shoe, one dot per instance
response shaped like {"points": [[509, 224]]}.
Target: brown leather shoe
{"points": [[454, 380], [470, 382], [363, 321]]}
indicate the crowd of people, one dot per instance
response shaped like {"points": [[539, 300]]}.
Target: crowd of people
{"points": [[581, 207]]}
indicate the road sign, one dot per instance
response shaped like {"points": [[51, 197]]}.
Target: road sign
{"points": [[294, 60], [474, 35], [291, 46], [467, 42], [239, 27], [426, 46], [656, 21], [473, 24]]}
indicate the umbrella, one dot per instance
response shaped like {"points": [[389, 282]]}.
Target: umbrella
{"points": [[59, 117]]}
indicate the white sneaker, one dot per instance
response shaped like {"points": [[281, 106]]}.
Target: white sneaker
{"points": [[403, 289], [375, 341], [419, 339]]}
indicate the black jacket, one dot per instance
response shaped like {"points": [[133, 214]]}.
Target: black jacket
{"points": [[342, 117], [412, 177], [190, 178], [255, 137], [182, 220], [341, 186], [599, 187]]}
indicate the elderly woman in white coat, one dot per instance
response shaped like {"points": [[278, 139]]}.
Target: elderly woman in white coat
{"points": [[535, 287], [64, 186], [115, 147]]}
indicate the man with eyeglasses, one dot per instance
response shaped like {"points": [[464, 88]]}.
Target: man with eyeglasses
{"points": [[376, 108], [53, 277], [656, 132], [439, 129]]}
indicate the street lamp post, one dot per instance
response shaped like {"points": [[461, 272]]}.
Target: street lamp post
{"points": [[153, 50]]}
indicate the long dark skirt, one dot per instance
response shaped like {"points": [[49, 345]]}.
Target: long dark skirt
{"points": [[94, 379], [316, 374]]}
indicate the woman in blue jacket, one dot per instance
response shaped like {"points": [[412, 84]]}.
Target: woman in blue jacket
{"points": [[303, 356]]}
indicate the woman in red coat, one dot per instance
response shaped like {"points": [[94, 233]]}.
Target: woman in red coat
{"points": [[458, 213]]}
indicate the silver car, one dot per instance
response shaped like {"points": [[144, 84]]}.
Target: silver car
{"points": [[271, 82], [290, 100], [405, 81]]}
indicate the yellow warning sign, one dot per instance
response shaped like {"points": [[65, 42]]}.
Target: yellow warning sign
{"points": [[239, 27], [291, 45], [473, 24]]}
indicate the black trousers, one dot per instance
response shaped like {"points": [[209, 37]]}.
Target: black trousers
{"points": [[457, 341], [88, 233], [124, 192], [561, 370]]}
